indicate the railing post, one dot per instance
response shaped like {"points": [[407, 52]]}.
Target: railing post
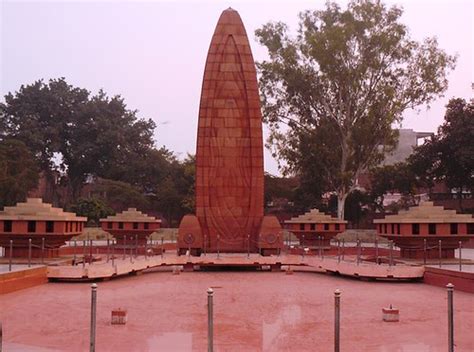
{"points": [[90, 251], [93, 316], [337, 319], [460, 256], [343, 248], [450, 289], [439, 252], [205, 244], [29, 252], [83, 253], [376, 251], [75, 255], [424, 251], [338, 251], [248, 246], [358, 252], [391, 254], [218, 250], [136, 246], [131, 250], [210, 320], [42, 250], [113, 252], [162, 247], [108, 249], [320, 249], [11, 255]]}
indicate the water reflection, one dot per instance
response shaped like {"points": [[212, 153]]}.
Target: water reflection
{"points": [[171, 341]]}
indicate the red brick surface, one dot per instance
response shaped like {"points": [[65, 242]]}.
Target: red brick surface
{"points": [[229, 156]]}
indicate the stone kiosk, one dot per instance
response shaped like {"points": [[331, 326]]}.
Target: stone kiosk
{"points": [[229, 155], [315, 228], [36, 220], [132, 224], [426, 224]]}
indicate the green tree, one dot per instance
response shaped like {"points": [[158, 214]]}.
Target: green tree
{"points": [[18, 172], [449, 156], [92, 208], [352, 73]]}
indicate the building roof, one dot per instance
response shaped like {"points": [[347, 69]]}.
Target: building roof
{"points": [[35, 209], [130, 215], [314, 216], [426, 212]]}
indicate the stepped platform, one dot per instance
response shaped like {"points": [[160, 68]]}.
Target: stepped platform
{"points": [[101, 269]]}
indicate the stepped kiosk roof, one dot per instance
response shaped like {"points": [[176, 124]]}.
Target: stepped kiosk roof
{"points": [[314, 216], [35, 209], [426, 212], [131, 215]]}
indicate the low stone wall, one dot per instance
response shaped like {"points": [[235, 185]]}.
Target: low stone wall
{"points": [[462, 281], [20, 279]]}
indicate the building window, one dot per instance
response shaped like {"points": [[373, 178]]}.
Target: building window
{"points": [[109, 225], [415, 229], [121, 225], [7, 226], [454, 229], [302, 227], [49, 226], [432, 229], [385, 228], [145, 225], [135, 225], [470, 229], [326, 227], [398, 228], [337, 227], [393, 228], [31, 226], [313, 227]]}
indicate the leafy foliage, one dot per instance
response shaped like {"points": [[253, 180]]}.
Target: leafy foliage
{"points": [[92, 208], [332, 93], [18, 172]]}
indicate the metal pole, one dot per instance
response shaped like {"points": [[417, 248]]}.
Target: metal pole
{"points": [[460, 256], [450, 288], [83, 253], [337, 319], [29, 252], [424, 251], [391, 254], [218, 237], [358, 252], [136, 246], [93, 315], [162, 247], [131, 251], [108, 249], [279, 248], [322, 249], [124, 245], [210, 320], [90, 251], [376, 251], [205, 244], [146, 248], [319, 245], [189, 250], [439, 252], [338, 251], [113, 252], [248, 246], [343, 248], [42, 250], [11, 255], [75, 248]]}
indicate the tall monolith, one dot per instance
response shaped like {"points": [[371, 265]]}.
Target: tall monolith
{"points": [[229, 155]]}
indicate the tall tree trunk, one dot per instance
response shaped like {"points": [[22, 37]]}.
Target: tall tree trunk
{"points": [[341, 201]]}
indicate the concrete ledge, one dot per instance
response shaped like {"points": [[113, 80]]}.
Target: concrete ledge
{"points": [[462, 281], [24, 278]]}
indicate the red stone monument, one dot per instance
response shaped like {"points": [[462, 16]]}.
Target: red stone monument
{"points": [[315, 228], [229, 156], [426, 224], [132, 224], [36, 220]]}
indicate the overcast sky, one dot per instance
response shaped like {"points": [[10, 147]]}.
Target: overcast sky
{"points": [[153, 52]]}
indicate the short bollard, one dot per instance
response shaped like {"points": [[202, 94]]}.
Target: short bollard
{"points": [[210, 320], [93, 316], [337, 319], [390, 314], [460, 256], [10, 256], [450, 288], [29, 252]]}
